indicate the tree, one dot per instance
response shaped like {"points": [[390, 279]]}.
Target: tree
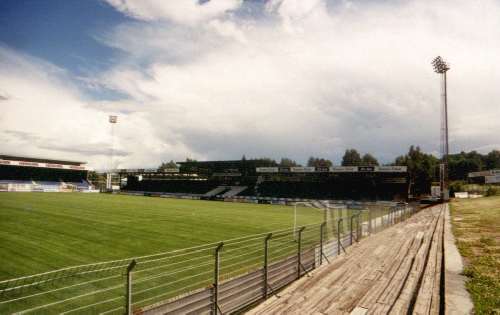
{"points": [[492, 160], [351, 158], [460, 165], [422, 169], [319, 162], [170, 164], [263, 162], [286, 162], [369, 159]]}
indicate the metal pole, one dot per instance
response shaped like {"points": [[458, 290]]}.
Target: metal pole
{"points": [[128, 304], [446, 147], [299, 258], [352, 217], [441, 67], [325, 214], [358, 230], [266, 263], [216, 277], [369, 222], [321, 235], [295, 221], [338, 235]]}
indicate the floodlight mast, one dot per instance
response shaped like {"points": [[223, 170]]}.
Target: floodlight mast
{"points": [[441, 67], [113, 119]]}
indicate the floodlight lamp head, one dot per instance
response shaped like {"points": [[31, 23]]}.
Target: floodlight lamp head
{"points": [[440, 66]]}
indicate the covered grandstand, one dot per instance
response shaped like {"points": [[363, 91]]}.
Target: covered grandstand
{"points": [[45, 175], [222, 179]]}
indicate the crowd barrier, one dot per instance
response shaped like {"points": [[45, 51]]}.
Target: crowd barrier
{"points": [[217, 278]]}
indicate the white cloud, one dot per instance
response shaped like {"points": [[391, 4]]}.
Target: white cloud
{"points": [[183, 12], [304, 77], [45, 116]]}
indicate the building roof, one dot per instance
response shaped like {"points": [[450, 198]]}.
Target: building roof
{"points": [[40, 160]]}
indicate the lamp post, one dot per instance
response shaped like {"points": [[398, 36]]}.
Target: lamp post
{"points": [[113, 119], [441, 67]]}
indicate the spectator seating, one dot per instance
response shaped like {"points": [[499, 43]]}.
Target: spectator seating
{"points": [[172, 186]]}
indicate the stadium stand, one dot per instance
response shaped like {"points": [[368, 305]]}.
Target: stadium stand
{"points": [[331, 189], [35, 174], [82, 185], [216, 191], [170, 186], [234, 191], [225, 179]]}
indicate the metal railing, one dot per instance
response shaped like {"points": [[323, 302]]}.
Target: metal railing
{"points": [[214, 278]]}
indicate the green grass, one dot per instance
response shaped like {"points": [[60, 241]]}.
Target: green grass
{"points": [[46, 231], [476, 225], [42, 232]]}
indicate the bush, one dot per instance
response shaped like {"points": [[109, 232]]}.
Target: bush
{"points": [[492, 191], [456, 186]]}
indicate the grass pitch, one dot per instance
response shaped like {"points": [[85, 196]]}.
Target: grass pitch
{"points": [[45, 231], [476, 225]]}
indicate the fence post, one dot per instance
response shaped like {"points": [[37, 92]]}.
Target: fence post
{"points": [[128, 303], [358, 228], [216, 278], [266, 263], [299, 256], [369, 221], [352, 217], [321, 235], [338, 235]]}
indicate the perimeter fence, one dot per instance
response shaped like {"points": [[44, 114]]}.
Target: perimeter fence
{"points": [[216, 278]]}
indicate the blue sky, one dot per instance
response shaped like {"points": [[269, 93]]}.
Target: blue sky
{"points": [[219, 79], [64, 33]]}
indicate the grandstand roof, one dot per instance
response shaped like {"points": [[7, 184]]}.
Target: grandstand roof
{"points": [[40, 160], [228, 163]]}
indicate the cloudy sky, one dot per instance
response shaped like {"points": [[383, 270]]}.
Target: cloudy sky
{"points": [[221, 78]]}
